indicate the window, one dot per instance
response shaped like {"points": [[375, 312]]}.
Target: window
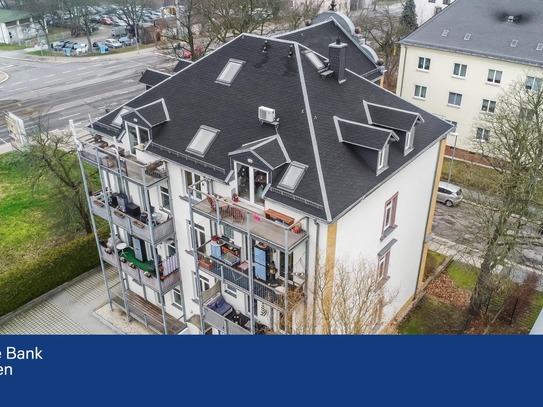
{"points": [[420, 91], [533, 83], [231, 290], [315, 60], [194, 180], [251, 183], [165, 197], [177, 298], [293, 176], [438, 10], [408, 141], [424, 63], [494, 76], [381, 159], [200, 236], [455, 124], [482, 134], [382, 266], [455, 99], [431, 1], [202, 140], [460, 70], [136, 135], [389, 217], [228, 232], [488, 106], [204, 283], [230, 71], [446, 2]]}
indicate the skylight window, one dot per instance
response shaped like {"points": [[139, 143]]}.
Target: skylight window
{"points": [[315, 60], [514, 43], [292, 177], [119, 120], [230, 71], [202, 140], [467, 36], [444, 33], [539, 47]]}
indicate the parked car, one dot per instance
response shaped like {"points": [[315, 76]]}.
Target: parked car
{"points": [[113, 43], [126, 41], [80, 48], [58, 45], [106, 21], [97, 46], [449, 194]]}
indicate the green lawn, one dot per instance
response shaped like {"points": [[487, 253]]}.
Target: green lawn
{"points": [[28, 219], [463, 275]]}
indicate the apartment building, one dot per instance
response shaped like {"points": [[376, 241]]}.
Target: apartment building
{"points": [[456, 67], [229, 183]]}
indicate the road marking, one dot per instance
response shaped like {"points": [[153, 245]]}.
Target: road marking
{"points": [[34, 79], [54, 80], [24, 87], [83, 73], [16, 83], [72, 115], [66, 71], [80, 69], [48, 76]]}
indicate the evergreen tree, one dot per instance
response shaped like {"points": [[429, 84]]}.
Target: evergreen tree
{"points": [[408, 20]]}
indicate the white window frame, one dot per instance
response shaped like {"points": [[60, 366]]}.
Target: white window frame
{"points": [[494, 76], [460, 70], [200, 234], [455, 99], [420, 91], [190, 178], [482, 134], [177, 299], [389, 216], [383, 263], [533, 83], [164, 193], [425, 63], [134, 139], [488, 106], [251, 180]]}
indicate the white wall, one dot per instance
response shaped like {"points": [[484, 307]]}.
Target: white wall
{"points": [[426, 9], [439, 81], [359, 231]]}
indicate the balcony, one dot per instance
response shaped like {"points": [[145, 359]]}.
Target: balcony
{"points": [[149, 314], [112, 158], [225, 323], [224, 210], [270, 292], [159, 230]]}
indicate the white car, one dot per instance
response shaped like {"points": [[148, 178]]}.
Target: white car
{"points": [[113, 43], [80, 49]]}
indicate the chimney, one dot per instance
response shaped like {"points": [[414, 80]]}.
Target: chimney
{"points": [[337, 56]]}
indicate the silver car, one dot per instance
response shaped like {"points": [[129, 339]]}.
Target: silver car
{"points": [[449, 194]]}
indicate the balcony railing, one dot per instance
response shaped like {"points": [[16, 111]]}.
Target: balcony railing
{"points": [[267, 292], [223, 324], [226, 211], [113, 159], [134, 226]]}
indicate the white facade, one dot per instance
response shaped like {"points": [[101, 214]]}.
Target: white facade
{"points": [[428, 8], [471, 82]]}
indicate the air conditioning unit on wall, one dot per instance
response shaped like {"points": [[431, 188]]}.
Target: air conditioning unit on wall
{"points": [[266, 114]]}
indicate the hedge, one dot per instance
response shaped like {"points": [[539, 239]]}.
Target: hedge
{"points": [[54, 268]]}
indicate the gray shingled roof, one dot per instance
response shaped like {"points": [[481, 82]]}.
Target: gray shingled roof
{"points": [[336, 178], [321, 34], [390, 117], [364, 135], [491, 34], [151, 77]]}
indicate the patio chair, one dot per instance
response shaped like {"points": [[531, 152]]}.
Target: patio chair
{"points": [[212, 203], [237, 214]]}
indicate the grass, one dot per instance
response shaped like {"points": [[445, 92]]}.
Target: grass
{"points": [[11, 47], [431, 316], [463, 275], [28, 218], [433, 261]]}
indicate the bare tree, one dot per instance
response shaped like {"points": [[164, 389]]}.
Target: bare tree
{"points": [[385, 30], [301, 11], [510, 138], [346, 298], [52, 156]]}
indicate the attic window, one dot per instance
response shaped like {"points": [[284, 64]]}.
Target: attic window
{"points": [[514, 43], [539, 47], [315, 60], [292, 177], [202, 140], [118, 121], [467, 36], [230, 71], [444, 33]]}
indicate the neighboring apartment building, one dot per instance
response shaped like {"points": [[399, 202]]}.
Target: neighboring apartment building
{"points": [[455, 66], [228, 183], [429, 8]]}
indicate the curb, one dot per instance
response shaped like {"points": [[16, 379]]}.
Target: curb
{"points": [[3, 76]]}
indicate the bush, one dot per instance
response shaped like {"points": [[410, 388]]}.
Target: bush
{"points": [[54, 268]]}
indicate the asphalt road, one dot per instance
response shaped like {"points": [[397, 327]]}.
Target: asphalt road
{"points": [[78, 88]]}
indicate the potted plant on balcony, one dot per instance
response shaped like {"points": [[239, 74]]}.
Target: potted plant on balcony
{"points": [[205, 262], [235, 198]]}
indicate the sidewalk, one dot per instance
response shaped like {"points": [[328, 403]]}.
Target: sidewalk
{"points": [[79, 307]]}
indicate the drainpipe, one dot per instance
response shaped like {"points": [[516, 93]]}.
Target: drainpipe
{"points": [[196, 268], [315, 277], [250, 271], [403, 71]]}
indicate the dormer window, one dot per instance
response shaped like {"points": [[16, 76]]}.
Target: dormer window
{"points": [[408, 141], [251, 183], [136, 136], [382, 159]]}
